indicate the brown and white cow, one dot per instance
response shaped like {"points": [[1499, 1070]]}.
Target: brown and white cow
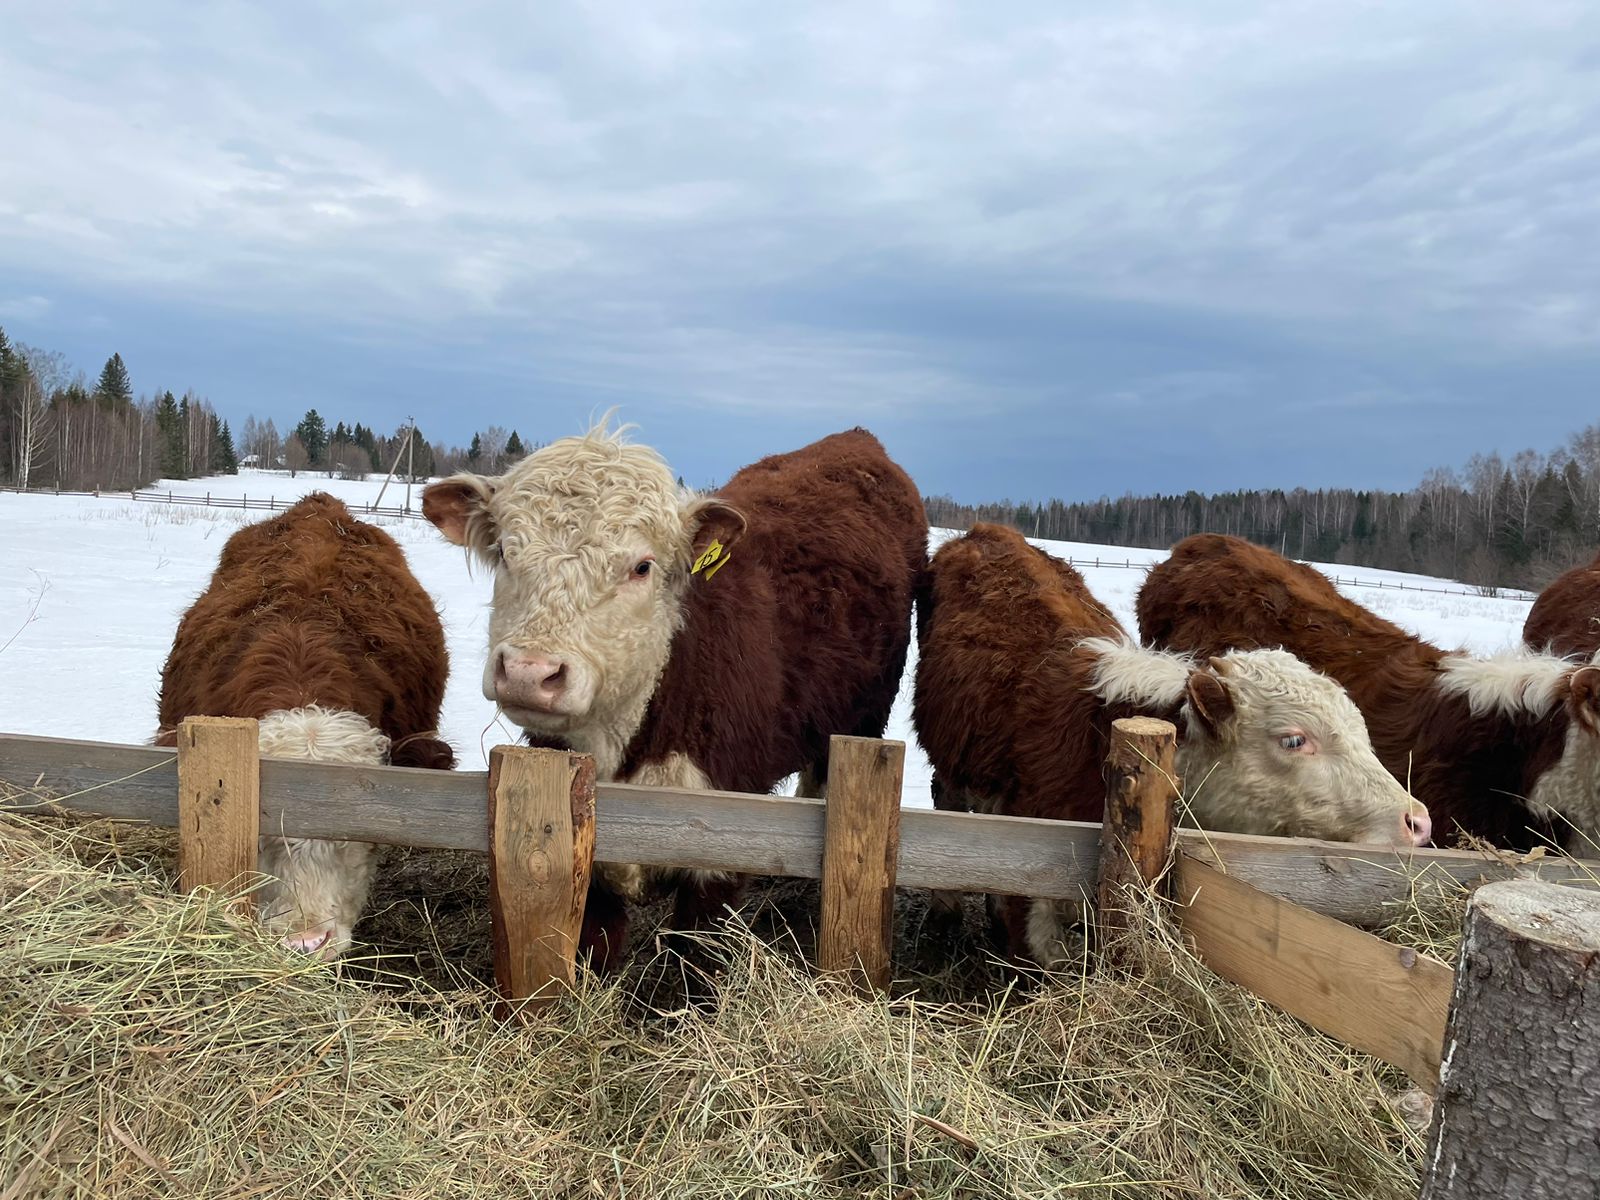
{"points": [[686, 640], [1565, 619], [314, 625], [1021, 672], [1495, 747]]}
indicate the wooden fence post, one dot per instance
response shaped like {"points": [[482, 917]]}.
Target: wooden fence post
{"points": [[860, 856], [219, 803], [1519, 1092], [541, 853], [1136, 839]]}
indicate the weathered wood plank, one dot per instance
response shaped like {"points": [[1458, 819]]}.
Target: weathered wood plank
{"points": [[1365, 885], [1378, 997], [1136, 837], [541, 825], [219, 804], [764, 835], [136, 783], [861, 846]]}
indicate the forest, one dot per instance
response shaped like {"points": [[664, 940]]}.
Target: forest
{"points": [[1494, 522]]}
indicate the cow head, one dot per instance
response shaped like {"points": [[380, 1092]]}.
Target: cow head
{"points": [[316, 890], [1272, 746], [593, 547]]}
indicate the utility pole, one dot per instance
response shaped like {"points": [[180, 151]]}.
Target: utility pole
{"points": [[403, 447], [411, 459]]}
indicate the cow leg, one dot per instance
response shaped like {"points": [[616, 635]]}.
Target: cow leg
{"points": [[1056, 936], [703, 897], [813, 782], [605, 927], [947, 799]]}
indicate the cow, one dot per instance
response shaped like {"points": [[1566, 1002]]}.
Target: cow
{"points": [[1020, 673], [314, 625], [1565, 619], [691, 640], [1505, 748]]}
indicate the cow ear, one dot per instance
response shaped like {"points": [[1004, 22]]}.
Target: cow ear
{"points": [[715, 526], [1583, 686], [459, 506], [1209, 701]]}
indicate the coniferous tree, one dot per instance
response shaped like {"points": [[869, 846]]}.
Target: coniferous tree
{"points": [[313, 434], [514, 448], [475, 451], [169, 437], [114, 383], [224, 460]]}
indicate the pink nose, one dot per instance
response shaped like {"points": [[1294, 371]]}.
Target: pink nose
{"points": [[308, 943], [529, 681], [1420, 826]]}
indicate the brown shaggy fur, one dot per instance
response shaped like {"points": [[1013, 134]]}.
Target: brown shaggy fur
{"points": [[805, 634], [1004, 705], [1216, 593], [1565, 619], [313, 607]]}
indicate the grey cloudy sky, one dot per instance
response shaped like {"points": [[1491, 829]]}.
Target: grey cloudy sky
{"points": [[1040, 249]]}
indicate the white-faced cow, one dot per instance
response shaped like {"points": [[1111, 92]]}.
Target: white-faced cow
{"points": [[1495, 747], [1020, 674], [314, 625], [686, 640]]}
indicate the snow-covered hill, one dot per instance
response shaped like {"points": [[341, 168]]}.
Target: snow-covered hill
{"points": [[94, 588]]}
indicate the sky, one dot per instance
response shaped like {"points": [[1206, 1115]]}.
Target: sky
{"points": [[1041, 249]]}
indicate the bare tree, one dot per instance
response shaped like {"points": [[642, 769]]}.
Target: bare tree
{"points": [[30, 427], [494, 448], [294, 455], [1527, 467]]}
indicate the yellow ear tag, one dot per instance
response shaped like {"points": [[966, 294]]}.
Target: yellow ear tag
{"points": [[711, 557]]}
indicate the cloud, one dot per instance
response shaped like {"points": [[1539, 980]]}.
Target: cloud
{"points": [[1010, 212], [24, 308]]}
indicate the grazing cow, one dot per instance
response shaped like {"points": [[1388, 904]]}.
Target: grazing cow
{"points": [[684, 640], [1565, 619], [1493, 746], [1020, 674], [314, 625]]}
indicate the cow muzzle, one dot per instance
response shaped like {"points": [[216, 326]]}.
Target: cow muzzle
{"points": [[538, 683]]}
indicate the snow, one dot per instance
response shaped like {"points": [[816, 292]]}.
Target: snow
{"points": [[96, 585]]}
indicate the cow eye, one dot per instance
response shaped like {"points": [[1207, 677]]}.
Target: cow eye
{"points": [[1292, 741], [642, 568]]}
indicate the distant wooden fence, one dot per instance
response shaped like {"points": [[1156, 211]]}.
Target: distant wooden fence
{"points": [[1268, 913], [267, 503]]}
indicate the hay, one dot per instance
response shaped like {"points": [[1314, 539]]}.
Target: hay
{"points": [[155, 1045]]}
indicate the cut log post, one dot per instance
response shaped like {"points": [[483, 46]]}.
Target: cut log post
{"points": [[219, 803], [1519, 1093], [1136, 838], [860, 857], [541, 853]]}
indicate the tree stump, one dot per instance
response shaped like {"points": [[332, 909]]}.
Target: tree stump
{"points": [[1519, 1096]]}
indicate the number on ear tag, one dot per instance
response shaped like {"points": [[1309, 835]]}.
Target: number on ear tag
{"points": [[711, 557]]}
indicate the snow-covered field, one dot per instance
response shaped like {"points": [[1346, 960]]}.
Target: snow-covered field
{"points": [[93, 589]]}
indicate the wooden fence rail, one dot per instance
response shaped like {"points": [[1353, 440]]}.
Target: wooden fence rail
{"points": [[763, 835]]}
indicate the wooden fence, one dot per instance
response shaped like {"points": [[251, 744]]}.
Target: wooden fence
{"points": [[264, 503], [1275, 915]]}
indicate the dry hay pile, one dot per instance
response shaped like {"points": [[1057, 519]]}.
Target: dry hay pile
{"points": [[155, 1045]]}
